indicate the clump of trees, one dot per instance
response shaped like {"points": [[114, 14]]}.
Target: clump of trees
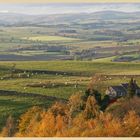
{"points": [[81, 116], [102, 102], [46, 124], [131, 88], [9, 128]]}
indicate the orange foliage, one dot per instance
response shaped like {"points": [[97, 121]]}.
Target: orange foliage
{"points": [[37, 122], [9, 129], [132, 124], [104, 125], [92, 108]]}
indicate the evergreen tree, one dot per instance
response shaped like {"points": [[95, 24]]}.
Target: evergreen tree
{"points": [[97, 96], [87, 93], [105, 102], [131, 89]]}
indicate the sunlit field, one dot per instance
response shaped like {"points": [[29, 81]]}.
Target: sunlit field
{"points": [[50, 38]]}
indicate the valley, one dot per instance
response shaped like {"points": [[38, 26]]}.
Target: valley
{"points": [[92, 36], [69, 59]]}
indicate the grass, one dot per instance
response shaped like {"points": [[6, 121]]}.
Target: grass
{"points": [[93, 44], [132, 56], [82, 67], [32, 53], [50, 38], [104, 60], [61, 92], [16, 105], [85, 67]]}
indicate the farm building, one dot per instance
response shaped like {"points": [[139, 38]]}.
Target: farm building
{"points": [[121, 90]]}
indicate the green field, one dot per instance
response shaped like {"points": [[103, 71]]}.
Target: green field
{"points": [[16, 105], [83, 70], [84, 67]]}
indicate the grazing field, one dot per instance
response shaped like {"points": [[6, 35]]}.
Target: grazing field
{"points": [[83, 67], [60, 84], [67, 78]]}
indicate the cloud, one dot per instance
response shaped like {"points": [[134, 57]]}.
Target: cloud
{"points": [[67, 8], [65, 1], [4, 11]]}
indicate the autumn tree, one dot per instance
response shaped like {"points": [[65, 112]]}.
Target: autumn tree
{"points": [[92, 92], [9, 129], [76, 105], [26, 118], [132, 124], [87, 94], [59, 108], [92, 108]]}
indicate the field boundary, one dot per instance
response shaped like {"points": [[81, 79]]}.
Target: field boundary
{"points": [[22, 94], [54, 72], [74, 73]]}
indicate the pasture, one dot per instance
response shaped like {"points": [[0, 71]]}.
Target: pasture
{"points": [[83, 67], [69, 77]]}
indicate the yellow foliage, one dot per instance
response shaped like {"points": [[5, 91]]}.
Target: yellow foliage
{"points": [[8, 130], [92, 108], [132, 124], [37, 122]]}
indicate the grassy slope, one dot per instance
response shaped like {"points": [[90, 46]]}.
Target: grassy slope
{"points": [[16, 105], [90, 68], [79, 66]]}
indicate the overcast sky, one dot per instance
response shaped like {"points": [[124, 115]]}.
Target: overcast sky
{"points": [[66, 8], [66, 1]]}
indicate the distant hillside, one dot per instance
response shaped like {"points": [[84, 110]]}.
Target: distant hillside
{"points": [[14, 19]]}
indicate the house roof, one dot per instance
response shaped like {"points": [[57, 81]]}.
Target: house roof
{"points": [[136, 86], [125, 85], [119, 89]]}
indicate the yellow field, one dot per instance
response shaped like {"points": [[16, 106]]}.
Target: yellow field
{"points": [[50, 38]]}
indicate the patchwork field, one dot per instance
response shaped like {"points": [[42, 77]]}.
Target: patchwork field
{"points": [[92, 37]]}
